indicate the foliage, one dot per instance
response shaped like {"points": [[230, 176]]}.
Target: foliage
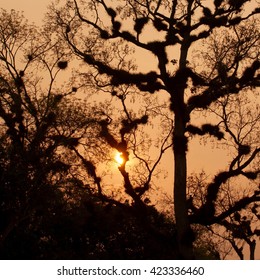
{"points": [[50, 141], [176, 25], [54, 146]]}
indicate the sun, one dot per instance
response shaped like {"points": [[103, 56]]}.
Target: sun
{"points": [[118, 158]]}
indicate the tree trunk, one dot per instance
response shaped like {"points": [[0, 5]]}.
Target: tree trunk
{"points": [[184, 232], [252, 246], [185, 236]]}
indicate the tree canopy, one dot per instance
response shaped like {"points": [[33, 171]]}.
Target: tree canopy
{"points": [[207, 64]]}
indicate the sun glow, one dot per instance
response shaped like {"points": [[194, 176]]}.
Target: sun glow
{"points": [[119, 159]]}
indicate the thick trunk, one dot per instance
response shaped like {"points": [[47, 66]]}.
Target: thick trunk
{"points": [[252, 246], [184, 233]]}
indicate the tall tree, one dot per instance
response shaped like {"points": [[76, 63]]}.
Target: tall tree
{"points": [[33, 126], [238, 116], [49, 145], [177, 27]]}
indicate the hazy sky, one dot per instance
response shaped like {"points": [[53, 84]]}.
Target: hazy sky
{"points": [[33, 9], [199, 155]]}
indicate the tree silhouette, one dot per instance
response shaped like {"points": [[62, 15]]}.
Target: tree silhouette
{"points": [[181, 25], [33, 127], [51, 142], [53, 195]]}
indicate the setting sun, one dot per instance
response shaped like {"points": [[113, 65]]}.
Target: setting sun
{"points": [[118, 158]]}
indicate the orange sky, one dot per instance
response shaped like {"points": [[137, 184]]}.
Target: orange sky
{"points": [[200, 157], [33, 9]]}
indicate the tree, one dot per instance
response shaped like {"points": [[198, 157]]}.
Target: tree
{"points": [[236, 230], [32, 116], [238, 197], [238, 116], [178, 25], [52, 202]]}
